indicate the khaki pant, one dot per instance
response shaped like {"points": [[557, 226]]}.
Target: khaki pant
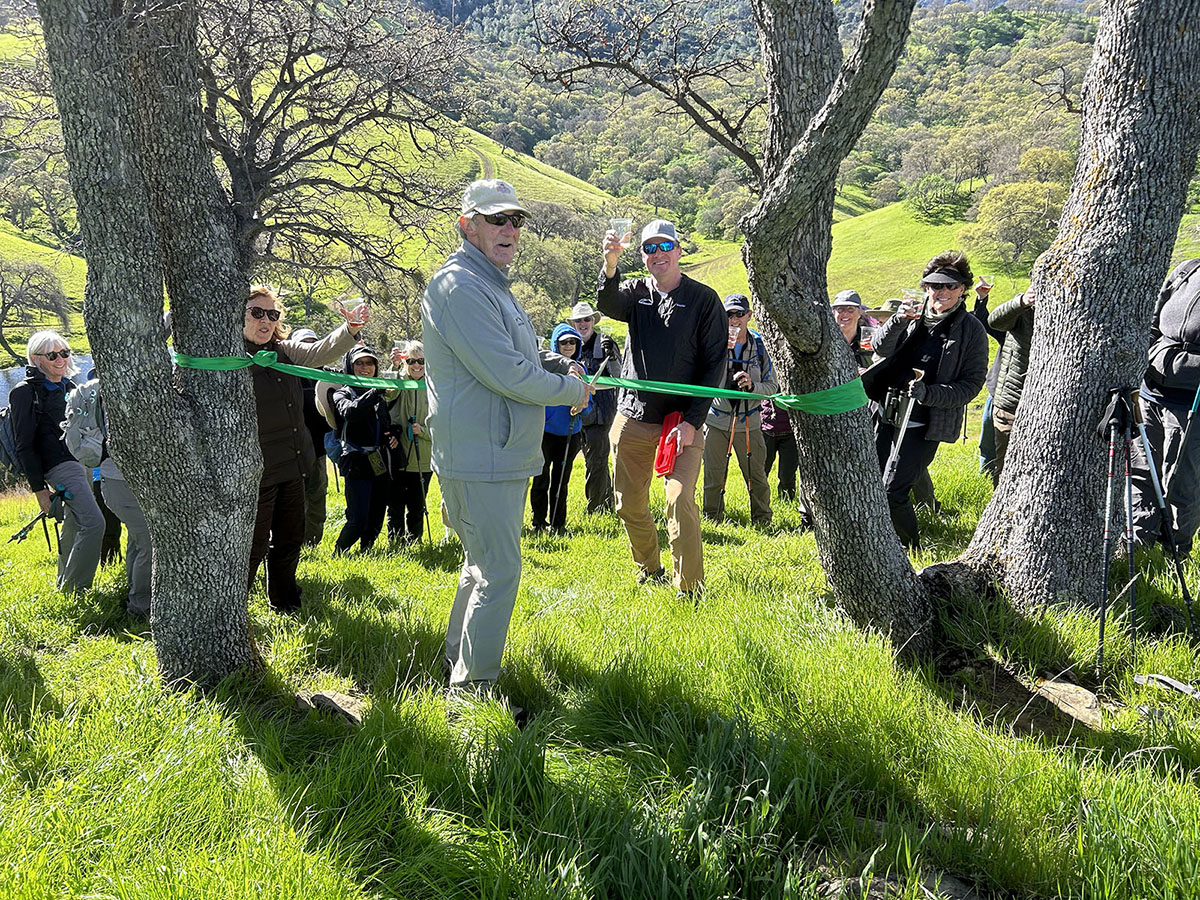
{"points": [[635, 445], [1002, 423], [716, 467]]}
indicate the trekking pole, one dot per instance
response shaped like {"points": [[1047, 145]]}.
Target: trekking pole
{"points": [[567, 451], [1191, 418], [733, 408], [1129, 528], [1108, 495], [746, 474], [1160, 500], [24, 530], [412, 420], [966, 410], [55, 512], [898, 440]]}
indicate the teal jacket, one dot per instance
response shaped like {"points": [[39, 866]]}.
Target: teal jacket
{"points": [[488, 383]]}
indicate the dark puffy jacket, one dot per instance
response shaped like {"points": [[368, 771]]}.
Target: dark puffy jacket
{"points": [[961, 370], [287, 447], [365, 414], [1013, 360], [37, 416], [1174, 359]]}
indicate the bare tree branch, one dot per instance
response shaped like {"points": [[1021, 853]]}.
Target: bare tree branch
{"points": [[663, 51]]}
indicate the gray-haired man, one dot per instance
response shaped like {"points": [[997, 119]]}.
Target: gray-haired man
{"points": [[488, 387]]}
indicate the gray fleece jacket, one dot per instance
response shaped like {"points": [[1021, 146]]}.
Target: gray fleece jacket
{"points": [[488, 383]]}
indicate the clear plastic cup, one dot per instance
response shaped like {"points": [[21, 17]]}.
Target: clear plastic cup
{"points": [[624, 230]]}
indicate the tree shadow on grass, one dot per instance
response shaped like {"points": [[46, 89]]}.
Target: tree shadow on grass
{"points": [[424, 801], [1004, 694], [363, 642]]}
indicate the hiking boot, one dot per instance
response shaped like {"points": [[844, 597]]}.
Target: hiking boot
{"points": [[658, 576]]}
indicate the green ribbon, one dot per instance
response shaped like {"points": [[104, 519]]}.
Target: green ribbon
{"points": [[269, 359], [829, 402]]}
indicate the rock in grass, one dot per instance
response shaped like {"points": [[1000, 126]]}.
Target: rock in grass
{"points": [[1079, 703], [349, 709]]}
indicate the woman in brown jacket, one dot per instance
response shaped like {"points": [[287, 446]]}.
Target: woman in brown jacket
{"points": [[287, 449]]}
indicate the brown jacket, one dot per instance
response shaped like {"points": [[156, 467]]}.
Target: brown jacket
{"points": [[287, 448]]}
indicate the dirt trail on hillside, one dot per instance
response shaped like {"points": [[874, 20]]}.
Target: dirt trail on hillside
{"points": [[699, 270], [485, 163]]}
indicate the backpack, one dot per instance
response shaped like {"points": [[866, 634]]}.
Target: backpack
{"points": [[84, 430], [11, 470], [10, 467]]}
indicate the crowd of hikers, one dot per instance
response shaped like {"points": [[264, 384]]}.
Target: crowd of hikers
{"points": [[486, 405]]}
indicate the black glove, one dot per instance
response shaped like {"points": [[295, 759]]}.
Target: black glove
{"points": [[608, 347]]}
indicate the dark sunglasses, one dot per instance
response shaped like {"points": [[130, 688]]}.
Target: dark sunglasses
{"points": [[567, 341], [258, 312], [55, 354], [415, 361], [664, 246], [735, 315], [500, 219]]}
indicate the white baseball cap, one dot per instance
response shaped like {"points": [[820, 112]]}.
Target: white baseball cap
{"points": [[490, 195]]}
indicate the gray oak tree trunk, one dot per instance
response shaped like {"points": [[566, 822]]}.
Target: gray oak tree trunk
{"points": [[151, 214], [817, 109], [1040, 537]]}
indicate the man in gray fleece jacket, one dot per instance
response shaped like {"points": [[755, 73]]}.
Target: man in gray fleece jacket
{"points": [[488, 386]]}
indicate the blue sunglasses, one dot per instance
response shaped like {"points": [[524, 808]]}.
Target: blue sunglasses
{"points": [[664, 246]]}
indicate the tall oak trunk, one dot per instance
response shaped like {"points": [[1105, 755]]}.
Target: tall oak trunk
{"points": [[817, 109], [1040, 537], [151, 213]]}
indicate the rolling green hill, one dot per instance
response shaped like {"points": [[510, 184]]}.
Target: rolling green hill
{"points": [[877, 253]]}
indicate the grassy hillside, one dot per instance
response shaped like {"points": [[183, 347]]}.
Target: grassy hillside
{"points": [[754, 745], [878, 253]]}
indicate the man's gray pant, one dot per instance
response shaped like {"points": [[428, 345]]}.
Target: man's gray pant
{"points": [[1178, 469], [119, 498], [486, 515], [597, 485], [316, 486], [716, 470], [83, 529]]}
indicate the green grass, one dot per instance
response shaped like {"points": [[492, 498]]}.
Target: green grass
{"points": [[878, 253], [718, 750]]}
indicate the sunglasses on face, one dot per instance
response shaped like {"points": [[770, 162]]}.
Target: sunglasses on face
{"points": [[570, 343], [258, 312], [736, 315], [416, 362], [501, 219], [652, 247], [55, 354]]}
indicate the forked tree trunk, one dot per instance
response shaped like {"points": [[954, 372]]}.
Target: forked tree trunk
{"points": [[815, 116], [150, 213], [1040, 538]]}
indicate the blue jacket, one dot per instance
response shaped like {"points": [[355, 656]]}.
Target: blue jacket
{"points": [[558, 418], [488, 383]]}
